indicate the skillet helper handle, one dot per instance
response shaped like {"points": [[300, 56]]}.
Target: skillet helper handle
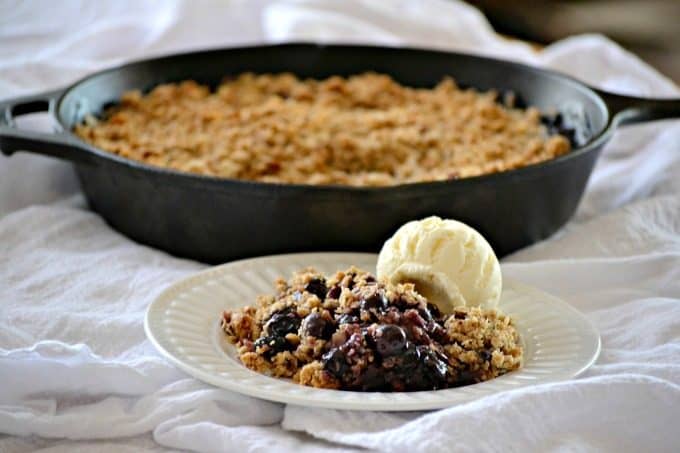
{"points": [[57, 144], [630, 109]]}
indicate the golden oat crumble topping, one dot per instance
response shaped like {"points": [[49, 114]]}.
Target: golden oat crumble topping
{"points": [[363, 130]]}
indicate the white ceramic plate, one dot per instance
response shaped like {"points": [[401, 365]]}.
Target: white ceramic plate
{"points": [[183, 323]]}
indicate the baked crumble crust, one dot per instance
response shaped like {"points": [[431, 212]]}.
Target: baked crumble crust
{"points": [[363, 130]]}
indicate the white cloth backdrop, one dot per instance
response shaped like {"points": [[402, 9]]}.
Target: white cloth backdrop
{"points": [[76, 373]]}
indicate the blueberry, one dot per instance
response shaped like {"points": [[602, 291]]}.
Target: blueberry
{"points": [[420, 368], [437, 332], [317, 286], [485, 355], [434, 311], [401, 304], [411, 356], [556, 124], [435, 362], [260, 342], [390, 340], [347, 318], [425, 314], [369, 279], [316, 326], [275, 344], [368, 338], [335, 362], [334, 292], [466, 377], [553, 121], [351, 282], [430, 372], [372, 379], [377, 301], [282, 323]]}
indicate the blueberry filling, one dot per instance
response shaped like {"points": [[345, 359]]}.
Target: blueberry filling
{"points": [[377, 301], [317, 287], [380, 337], [435, 364], [334, 292], [316, 326], [274, 344], [425, 314], [347, 318], [555, 124], [335, 362], [485, 355], [390, 340], [434, 311], [282, 323]]}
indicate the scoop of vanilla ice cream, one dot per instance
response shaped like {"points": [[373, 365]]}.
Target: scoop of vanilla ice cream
{"points": [[450, 263]]}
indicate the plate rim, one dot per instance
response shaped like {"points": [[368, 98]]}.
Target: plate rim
{"points": [[286, 398]]}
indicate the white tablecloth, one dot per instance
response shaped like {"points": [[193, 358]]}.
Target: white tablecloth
{"points": [[76, 373]]}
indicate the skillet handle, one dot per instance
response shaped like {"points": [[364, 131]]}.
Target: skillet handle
{"points": [[58, 144], [630, 109]]}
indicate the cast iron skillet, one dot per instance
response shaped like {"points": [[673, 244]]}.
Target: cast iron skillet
{"points": [[215, 220]]}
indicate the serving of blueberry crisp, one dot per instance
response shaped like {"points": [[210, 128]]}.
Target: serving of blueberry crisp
{"points": [[351, 331]]}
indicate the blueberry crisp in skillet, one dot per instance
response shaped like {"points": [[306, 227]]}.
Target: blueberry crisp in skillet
{"points": [[362, 130], [351, 331]]}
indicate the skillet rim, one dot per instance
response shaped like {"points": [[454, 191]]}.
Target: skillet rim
{"points": [[526, 172]]}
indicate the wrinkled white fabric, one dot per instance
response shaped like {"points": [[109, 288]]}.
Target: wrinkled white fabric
{"points": [[78, 375]]}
